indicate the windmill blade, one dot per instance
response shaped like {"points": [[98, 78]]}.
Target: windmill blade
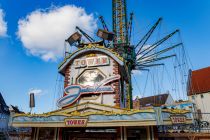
{"points": [[156, 59], [156, 44], [159, 52], [147, 36]]}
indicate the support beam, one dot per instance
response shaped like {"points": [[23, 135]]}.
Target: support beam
{"points": [[125, 133], [147, 36], [147, 66], [148, 132], [156, 44], [103, 23], [86, 35], [144, 69], [37, 134], [55, 133], [119, 17], [130, 27], [160, 52], [157, 59], [121, 132]]}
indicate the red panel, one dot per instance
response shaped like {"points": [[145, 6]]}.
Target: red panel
{"points": [[199, 81]]}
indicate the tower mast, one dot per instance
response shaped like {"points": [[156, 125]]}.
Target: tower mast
{"points": [[121, 43], [119, 17]]}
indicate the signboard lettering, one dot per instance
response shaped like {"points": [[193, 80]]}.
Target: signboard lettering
{"points": [[75, 91], [91, 62], [73, 122], [178, 119]]}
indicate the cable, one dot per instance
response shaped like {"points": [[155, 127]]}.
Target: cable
{"points": [[137, 85], [146, 83], [55, 87], [169, 78], [185, 51]]}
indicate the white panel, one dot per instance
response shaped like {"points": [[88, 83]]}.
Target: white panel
{"points": [[106, 70], [108, 99]]}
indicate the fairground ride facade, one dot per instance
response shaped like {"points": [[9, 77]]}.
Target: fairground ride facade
{"points": [[97, 98]]}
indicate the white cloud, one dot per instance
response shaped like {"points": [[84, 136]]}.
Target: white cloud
{"points": [[3, 24], [43, 32], [37, 92]]}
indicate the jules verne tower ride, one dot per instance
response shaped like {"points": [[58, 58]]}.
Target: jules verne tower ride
{"points": [[97, 98]]}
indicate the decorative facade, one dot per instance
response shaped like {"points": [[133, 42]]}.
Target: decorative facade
{"points": [[95, 103], [94, 74]]}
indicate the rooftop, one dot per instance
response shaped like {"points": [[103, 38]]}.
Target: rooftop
{"points": [[199, 81], [156, 100]]}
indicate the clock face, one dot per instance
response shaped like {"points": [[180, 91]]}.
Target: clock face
{"points": [[90, 77]]}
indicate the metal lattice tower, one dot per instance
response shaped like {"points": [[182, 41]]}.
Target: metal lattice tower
{"points": [[140, 56], [119, 17]]}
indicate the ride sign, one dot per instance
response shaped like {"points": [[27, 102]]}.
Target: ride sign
{"points": [[178, 119], [74, 122], [91, 62], [73, 92]]}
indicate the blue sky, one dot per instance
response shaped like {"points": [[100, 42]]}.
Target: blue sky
{"points": [[24, 67]]}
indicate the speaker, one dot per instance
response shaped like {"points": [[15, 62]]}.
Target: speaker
{"points": [[32, 100], [105, 34], [74, 38]]}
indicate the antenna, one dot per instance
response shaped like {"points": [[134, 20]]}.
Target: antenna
{"points": [[32, 102]]}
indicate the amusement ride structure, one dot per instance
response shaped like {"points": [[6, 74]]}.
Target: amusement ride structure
{"points": [[139, 56], [97, 93]]}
